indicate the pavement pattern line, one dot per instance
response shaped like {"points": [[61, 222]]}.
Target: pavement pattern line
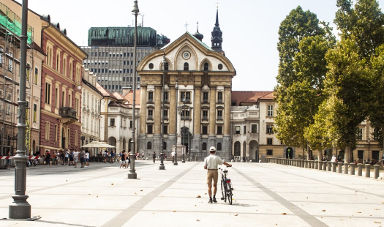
{"points": [[65, 184], [132, 210], [305, 216], [325, 182]]}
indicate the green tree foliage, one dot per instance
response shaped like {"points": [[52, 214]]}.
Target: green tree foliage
{"points": [[350, 80], [323, 133], [303, 45], [376, 110], [297, 25], [363, 23]]}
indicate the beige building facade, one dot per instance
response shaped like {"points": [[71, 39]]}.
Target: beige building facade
{"points": [[90, 108], [185, 100]]}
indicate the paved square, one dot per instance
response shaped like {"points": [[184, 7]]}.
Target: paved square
{"points": [[265, 195]]}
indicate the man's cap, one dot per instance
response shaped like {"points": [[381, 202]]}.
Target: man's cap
{"points": [[212, 148]]}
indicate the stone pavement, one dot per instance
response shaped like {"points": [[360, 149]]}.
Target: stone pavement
{"points": [[265, 195]]}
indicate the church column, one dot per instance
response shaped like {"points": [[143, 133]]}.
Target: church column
{"points": [[197, 111], [227, 111], [172, 111], [143, 117], [227, 123], [143, 109], [212, 118], [157, 119], [157, 111], [172, 119], [195, 148]]}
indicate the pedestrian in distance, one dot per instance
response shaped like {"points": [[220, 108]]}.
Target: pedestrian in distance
{"points": [[211, 165], [47, 158], [82, 158], [154, 157], [76, 157], [86, 158]]}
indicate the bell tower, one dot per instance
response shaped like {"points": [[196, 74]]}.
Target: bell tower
{"points": [[217, 39]]}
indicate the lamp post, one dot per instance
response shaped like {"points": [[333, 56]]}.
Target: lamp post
{"points": [[162, 167], [175, 162], [20, 208], [182, 110], [132, 173]]}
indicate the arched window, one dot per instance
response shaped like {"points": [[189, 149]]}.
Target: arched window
{"points": [[219, 146], [186, 66], [166, 66], [149, 146], [164, 145], [204, 146], [220, 66], [206, 66], [150, 65]]}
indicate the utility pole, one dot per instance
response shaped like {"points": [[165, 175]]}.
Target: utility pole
{"points": [[20, 208], [132, 173]]}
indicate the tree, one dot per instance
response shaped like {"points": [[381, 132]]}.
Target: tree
{"points": [[376, 110], [363, 23], [299, 91], [350, 81], [297, 25], [323, 133]]}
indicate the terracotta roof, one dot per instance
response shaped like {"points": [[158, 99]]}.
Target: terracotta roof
{"points": [[103, 91], [239, 97], [118, 96], [270, 96], [129, 97]]}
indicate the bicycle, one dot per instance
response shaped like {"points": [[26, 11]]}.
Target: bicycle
{"points": [[226, 186]]}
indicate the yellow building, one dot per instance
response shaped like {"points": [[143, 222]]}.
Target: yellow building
{"points": [[186, 98]]}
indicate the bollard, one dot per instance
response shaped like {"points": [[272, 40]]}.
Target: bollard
{"points": [[334, 164], [319, 165], [345, 168], [359, 169], [377, 170], [315, 164], [367, 170], [339, 167], [329, 166], [324, 163], [312, 164], [353, 165]]}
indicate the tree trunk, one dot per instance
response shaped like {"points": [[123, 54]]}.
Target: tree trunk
{"points": [[347, 154], [319, 155]]}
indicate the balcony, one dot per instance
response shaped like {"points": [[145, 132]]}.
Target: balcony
{"points": [[68, 115]]}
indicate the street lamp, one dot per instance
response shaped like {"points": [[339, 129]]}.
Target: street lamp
{"points": [[183, 110], [132, 173], [20, 208], [162, 167], [175, 161]]}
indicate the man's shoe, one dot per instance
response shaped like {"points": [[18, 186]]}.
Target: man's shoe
{"points": [[210, 200], [214, 200]]}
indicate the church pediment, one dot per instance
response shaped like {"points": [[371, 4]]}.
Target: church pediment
{"points": [[187, 54]]}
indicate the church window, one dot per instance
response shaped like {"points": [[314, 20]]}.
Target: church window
{"points": [[206, 66], [150, 65], [220, 66], [186, 66]]}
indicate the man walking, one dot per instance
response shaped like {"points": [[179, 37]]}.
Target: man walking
{"points": [[211, 164]]}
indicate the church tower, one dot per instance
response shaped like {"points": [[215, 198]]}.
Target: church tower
{"points": [[217, 39]]}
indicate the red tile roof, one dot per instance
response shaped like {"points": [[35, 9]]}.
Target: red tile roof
{"points": [[103, 91], [129, 97], [243, 97]]}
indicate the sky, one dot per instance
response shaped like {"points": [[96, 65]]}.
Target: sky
{"points": [[250, 27]]}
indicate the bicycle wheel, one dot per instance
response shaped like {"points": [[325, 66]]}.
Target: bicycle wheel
{"points": [[223, 191], [229, 193]]}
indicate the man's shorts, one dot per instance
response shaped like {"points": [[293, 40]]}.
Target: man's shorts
{"points": [[212, 175]]}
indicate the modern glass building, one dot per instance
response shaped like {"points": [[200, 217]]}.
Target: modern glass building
{"points": [[110, 53]]}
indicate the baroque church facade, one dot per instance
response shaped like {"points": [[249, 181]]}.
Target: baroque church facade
{"points": [[186, 98]]}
